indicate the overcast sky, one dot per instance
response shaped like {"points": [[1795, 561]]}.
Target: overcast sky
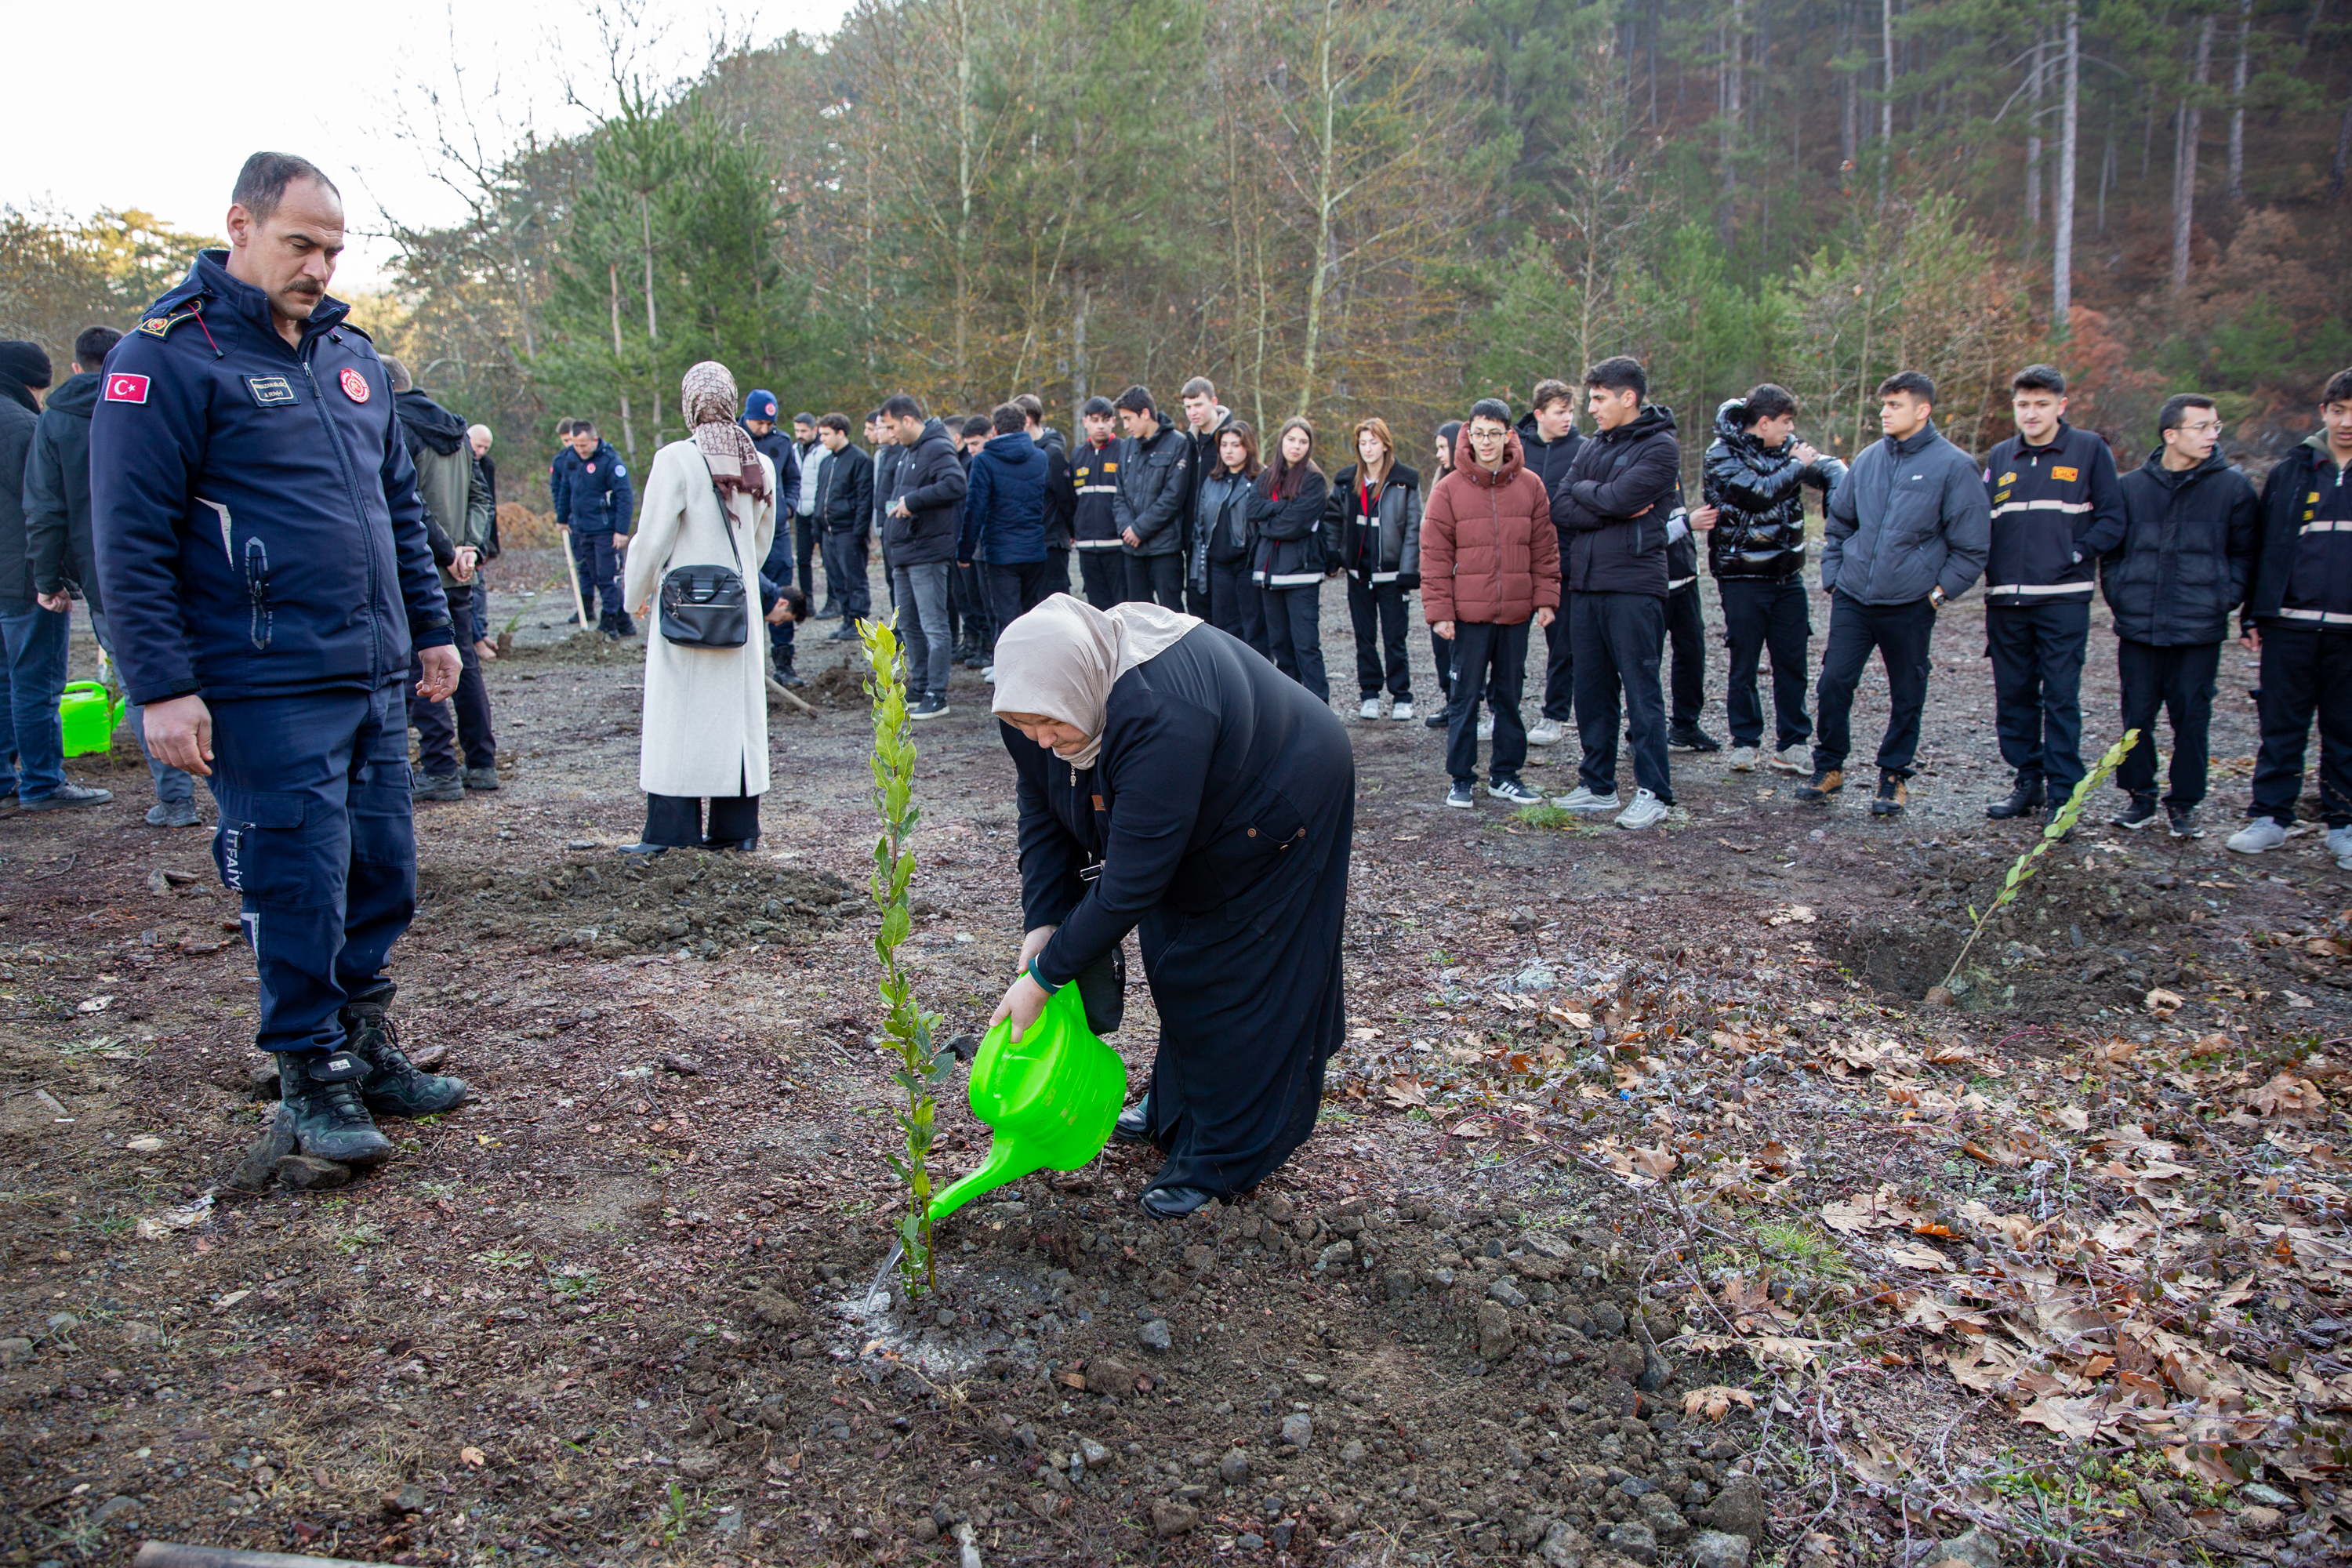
{"points": [[163, 124]]}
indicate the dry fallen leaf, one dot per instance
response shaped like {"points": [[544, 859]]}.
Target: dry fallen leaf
{"points": [[1406, 1092], [471, 1457], [1656, 1162], [1715, 1400], [1917, 1255], [2163, 1003], [2287, 1095]]}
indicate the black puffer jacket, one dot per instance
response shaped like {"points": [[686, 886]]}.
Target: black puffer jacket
{"points": [[1388, 552], [1289, 549], [932, 483], [1615, 503], [56, 492], [2187, 551], [1155, 485], [1760, 493], [1548, 461]]}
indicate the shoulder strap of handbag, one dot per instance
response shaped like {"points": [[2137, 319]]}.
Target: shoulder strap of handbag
{"points": [[727, 519]]}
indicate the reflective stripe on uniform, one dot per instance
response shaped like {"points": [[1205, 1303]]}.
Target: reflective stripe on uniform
{"points": [[1294, 580], [2328, 525], [2042, 590], [2065, 506], [1100, 543], [2323, 617]]}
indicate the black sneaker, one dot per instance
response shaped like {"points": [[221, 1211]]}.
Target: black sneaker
{"points": [[437, 786], [2183, 821], [844, 633], [482, 778], [2141, 813], [1691, 738], [67, 797], [1440, 719], [173, 814], [932, 706], [320, 1090], [624, 625], [2024, 797], [1892, 797], [1461, 795], [393, 1085]]}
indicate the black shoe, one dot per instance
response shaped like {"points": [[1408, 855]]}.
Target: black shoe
{"points": [[67, 797], [437, 786], [1892, 796], [643, 852], [1134, 1123], [1825, 782], [624, 625], [2027, 796], [932, 706], [168, 814], [1175, 1203], [2141, 813], [395, 1085], [740, 846], [482, 778], [843, 633], [320, 1090], [2183, 821], [1691, 738]]}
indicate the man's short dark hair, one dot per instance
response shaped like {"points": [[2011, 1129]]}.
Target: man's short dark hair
{"points": [[980, 425], [901, 406], [583, 428], [1909, 381], [1492, 408], [261, 184], [2175, 412], [2337, 390], [804, 419], [1551, 390], [92, 344], [1767, 401], [1136, 400], [833, 422], [1008, 418], [564, 428], [1619, 373], [2046, 378], [1098, 406], [791, 594], [1199, 386], [1031, 406]]}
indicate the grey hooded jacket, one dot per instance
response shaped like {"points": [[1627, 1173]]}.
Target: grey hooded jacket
{"points": [[1908, 518]]}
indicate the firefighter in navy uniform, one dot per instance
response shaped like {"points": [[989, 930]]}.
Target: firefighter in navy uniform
{"points": [[267, 572], [2057, 507]]}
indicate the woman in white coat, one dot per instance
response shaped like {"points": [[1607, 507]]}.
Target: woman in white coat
{"points": [[705, 733]]}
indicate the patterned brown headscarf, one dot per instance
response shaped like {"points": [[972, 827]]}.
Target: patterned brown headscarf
{"points": [[734, 462]]}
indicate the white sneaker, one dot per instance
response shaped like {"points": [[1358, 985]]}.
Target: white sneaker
{"points": [[988, 674], [1487, 726], [1582, 799], [1741, 759], [1797, 759], [1371, 709], [2339, 843], [2262, 833], [1399, 711], [1544, 732], [1647, 811]]}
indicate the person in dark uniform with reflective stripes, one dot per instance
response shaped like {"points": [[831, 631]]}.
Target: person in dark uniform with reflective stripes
{"points": [[2057, 507], [267, 572], [2298, 617], [1094, 479]]}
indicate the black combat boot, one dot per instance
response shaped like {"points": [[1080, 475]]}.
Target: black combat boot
{"points": [[2027, 796], [320, 1090], [393, 1087]]}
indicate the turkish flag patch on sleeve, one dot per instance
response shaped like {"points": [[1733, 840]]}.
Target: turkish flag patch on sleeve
{"points": [[126, 388]]}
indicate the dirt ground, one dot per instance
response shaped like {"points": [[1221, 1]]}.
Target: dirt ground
{"points": [[1652, 1216]]}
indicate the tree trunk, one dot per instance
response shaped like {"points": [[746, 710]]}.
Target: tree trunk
{"points": [[2342, 150], [1886, 106], [646, 222], [1849, 98], [2236, 188], [2184, 162], [1326, 199], [2034, 145], [628, 428], [1078, 394], [2062, 220], [962, 326], [1732, 46]]}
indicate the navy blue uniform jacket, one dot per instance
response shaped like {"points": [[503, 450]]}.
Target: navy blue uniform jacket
{"points": [[591, 494], [253, 508]]}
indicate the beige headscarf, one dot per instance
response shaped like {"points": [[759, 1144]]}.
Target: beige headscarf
{"points": [[1061, 659], [734, 462]]}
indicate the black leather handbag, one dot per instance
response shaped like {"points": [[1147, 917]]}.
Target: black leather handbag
{"points": [[705, 606]]}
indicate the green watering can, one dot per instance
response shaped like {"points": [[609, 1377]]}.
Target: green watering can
{"points": [[1050, 1099], [90, 717]]}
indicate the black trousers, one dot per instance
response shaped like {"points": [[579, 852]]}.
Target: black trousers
{"points": [[2306, 673], [2181, 681], [437, 740], [845, 574], [1481, 649], [1619, 640], [1760, 615], [675, 820], [1013, 592], [1156, 579], [1103, 573], [1058, 568], [778, 569], [970, 621], [2037, 684], [1901, 635], [1377, 609], [804, 551], [1687, 635], [1236, 604], [1294, 636], [1559, 664]]}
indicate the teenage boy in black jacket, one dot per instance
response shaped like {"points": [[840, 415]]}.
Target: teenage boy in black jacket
{"points": [[1155, 484], [2056, 509], [1549, 442], [2190, 525], [2298, 617], [1094, 481], [1615, 502]]}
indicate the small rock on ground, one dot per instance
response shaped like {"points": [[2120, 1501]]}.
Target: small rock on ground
{"points": [[1714, 1549], [308, 1173], [1233, 1470], [1974, 1548], [1298, 1428], [1155, 1335], [1174, 1519]]}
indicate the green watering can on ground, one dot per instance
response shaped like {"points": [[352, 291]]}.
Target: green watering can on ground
{"points": [[1050, 1099], [90, 717]]}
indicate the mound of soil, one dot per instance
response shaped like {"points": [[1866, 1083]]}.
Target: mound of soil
{"points": [[840, 687], [710, 904]]}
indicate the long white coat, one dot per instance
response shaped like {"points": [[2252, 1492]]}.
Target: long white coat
{"points": [[706, 716]]}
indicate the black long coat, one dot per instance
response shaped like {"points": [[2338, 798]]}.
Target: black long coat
{"points": [[1220, 807]]}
